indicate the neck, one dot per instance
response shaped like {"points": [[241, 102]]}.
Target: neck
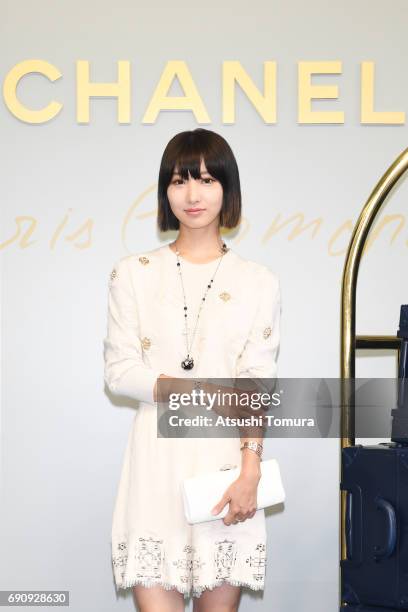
{"points": [[200, 243]]}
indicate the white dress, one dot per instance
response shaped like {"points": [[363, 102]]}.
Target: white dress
{"points": [[237, 336]]}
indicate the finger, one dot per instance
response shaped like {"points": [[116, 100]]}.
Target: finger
{"points": [[236, 517], [220, 506], [229, 518]]}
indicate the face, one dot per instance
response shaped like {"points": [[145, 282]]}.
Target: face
{"points": [[195, 202]]}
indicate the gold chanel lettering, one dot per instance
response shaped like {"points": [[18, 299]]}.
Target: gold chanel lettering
{"points": [[262, 99]]}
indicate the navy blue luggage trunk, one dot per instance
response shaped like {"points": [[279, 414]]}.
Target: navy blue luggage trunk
{"points": [[375, 572]]}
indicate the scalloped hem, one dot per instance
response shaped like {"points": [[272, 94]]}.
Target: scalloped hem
{"points": [[195, 591]]}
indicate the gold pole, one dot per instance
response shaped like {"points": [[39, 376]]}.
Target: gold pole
{"points": [[348, 318]]}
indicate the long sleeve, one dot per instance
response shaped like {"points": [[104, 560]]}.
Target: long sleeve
{"points": [[259, 356], [125, 372]]}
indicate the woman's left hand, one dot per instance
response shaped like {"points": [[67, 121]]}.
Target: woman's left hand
{"points": [[241, 495]]}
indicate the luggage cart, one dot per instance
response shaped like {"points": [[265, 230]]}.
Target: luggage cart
{"points": [[350, 342]]}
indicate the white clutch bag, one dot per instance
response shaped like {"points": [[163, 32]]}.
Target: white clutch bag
{"points": [[201, 493]]}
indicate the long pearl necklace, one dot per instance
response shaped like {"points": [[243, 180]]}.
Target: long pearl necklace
{"points": [[188, 362]]}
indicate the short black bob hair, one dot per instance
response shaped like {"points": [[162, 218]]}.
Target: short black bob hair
{"points": [[185, 151]]}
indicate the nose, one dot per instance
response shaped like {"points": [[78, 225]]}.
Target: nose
{"points": [[193, 192]]}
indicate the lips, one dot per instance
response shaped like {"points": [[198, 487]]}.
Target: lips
{"points": [[193, 209]]}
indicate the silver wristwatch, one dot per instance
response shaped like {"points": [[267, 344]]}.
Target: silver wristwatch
{"points": [[255, 446]]}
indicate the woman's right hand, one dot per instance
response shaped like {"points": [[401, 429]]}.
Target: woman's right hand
{"points": [[155, 385]]}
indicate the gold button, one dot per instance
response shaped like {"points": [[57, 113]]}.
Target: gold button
{"points": [[146, 343], [224, 296], [267, 332], [112, 276], [143, 260]]}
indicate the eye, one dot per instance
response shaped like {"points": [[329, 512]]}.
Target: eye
{"points": [[208, 179], [177, 181]]}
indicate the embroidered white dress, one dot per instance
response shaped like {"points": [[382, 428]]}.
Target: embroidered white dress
{"points": [[237, 336]]}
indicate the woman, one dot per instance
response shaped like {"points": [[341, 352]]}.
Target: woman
{"points": [[193, 308]]}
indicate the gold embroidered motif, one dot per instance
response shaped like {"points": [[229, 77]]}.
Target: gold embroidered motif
{"points": [[225, 296], [143, 260], [112, 277], [267, 332], [146, 342]]}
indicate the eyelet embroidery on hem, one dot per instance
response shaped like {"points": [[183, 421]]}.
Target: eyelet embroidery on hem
{"points": [[119, 560], [258, 562], [225, 556], [150, 556], [188, 564]]}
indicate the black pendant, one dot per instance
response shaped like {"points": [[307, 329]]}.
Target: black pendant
{"points": [[188, 363]]}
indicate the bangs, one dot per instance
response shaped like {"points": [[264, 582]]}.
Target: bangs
{"points": [[186, 164], [187, 159]]}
